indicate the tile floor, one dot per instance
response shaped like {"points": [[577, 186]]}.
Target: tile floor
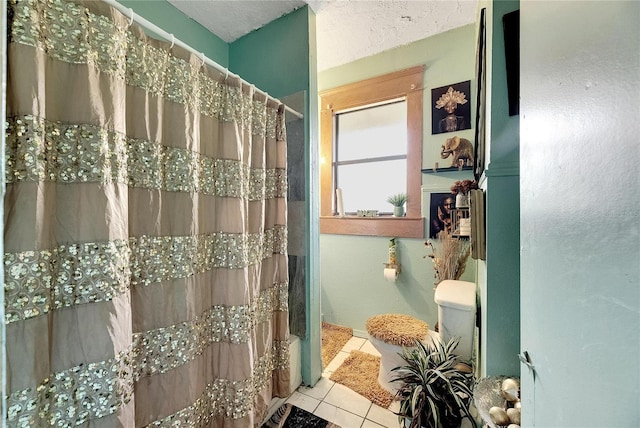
{"points": [[339, 404]]}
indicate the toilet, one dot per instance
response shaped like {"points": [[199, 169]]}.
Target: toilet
{"points": [[389, 333]]}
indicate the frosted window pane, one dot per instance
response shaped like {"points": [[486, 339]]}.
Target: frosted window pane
{"points": [[373, 132], [367, 186]]}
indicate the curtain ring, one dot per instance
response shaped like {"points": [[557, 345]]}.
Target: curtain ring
{"points": [[202, 53], [130, 17], [173, 41]]}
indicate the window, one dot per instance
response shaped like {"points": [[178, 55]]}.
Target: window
{"points": [[370, 156], [355, 161]]}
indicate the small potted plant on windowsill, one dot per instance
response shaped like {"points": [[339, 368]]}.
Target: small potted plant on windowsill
{"points": [[436, 386], [398, 202]]}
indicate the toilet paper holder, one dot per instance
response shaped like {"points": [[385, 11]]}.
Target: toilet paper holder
{"points": [[395, 266]]}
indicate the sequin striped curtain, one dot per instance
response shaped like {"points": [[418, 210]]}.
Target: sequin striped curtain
{"points": [[145, 230]]}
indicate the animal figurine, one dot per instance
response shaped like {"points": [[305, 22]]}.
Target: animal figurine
{"points": [[459, 148]]}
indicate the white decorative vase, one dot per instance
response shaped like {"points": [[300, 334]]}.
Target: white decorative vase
{"points": [[398, 211], [462, 200]]}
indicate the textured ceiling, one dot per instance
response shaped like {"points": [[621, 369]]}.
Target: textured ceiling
{"points": [[346, 30]]}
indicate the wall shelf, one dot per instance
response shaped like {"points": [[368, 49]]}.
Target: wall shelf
{"points": [[460, 222], [449, 169]]}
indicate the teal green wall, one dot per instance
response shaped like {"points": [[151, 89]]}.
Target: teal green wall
{"points": [[353, 286], [275, 57], [173, 21], [501, 311], [449, 57], [505, 129], [499, 276]]}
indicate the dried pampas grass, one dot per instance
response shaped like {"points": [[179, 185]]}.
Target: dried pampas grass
{"points": [[450, 259]]}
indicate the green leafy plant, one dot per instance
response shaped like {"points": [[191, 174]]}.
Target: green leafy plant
{"points": [[436, 386], [397, 200]]}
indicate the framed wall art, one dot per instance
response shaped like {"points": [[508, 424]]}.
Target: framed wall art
{"points": [[451, 108], [478, 153], [440, 207]]}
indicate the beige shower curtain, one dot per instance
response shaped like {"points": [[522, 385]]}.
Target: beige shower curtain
{"points": [[145, 230]]}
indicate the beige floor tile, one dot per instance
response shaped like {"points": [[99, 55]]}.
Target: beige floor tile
{"points": [[368, 424], [368, 347], [353, 343], [347, 399], [319, 390], [304, 402], [382, 416], [339, 404], [338, 416], [336, 362]]}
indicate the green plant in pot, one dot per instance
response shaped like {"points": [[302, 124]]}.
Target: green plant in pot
{"points": [[398, 202], [436, 389]]}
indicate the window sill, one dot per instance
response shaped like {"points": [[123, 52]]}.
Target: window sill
{"points": [[400, 227]]}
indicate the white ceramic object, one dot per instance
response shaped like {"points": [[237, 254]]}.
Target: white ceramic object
{"points": [[456, 302]]}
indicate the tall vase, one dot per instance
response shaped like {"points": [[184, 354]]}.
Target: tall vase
{"points": [[462, 200]]}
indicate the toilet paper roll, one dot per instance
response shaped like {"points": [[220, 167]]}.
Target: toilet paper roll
{"points": [[390, 274]]}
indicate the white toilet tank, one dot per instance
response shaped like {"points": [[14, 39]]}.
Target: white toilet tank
{"points": [[456, 302]]}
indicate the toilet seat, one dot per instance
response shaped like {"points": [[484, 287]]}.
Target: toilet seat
{"points": [[397, 329]]}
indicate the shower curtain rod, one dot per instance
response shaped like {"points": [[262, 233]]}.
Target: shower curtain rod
{"points": [[171, 38]]}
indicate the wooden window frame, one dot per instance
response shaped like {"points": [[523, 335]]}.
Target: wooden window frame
{"points": [[405, 84]]}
